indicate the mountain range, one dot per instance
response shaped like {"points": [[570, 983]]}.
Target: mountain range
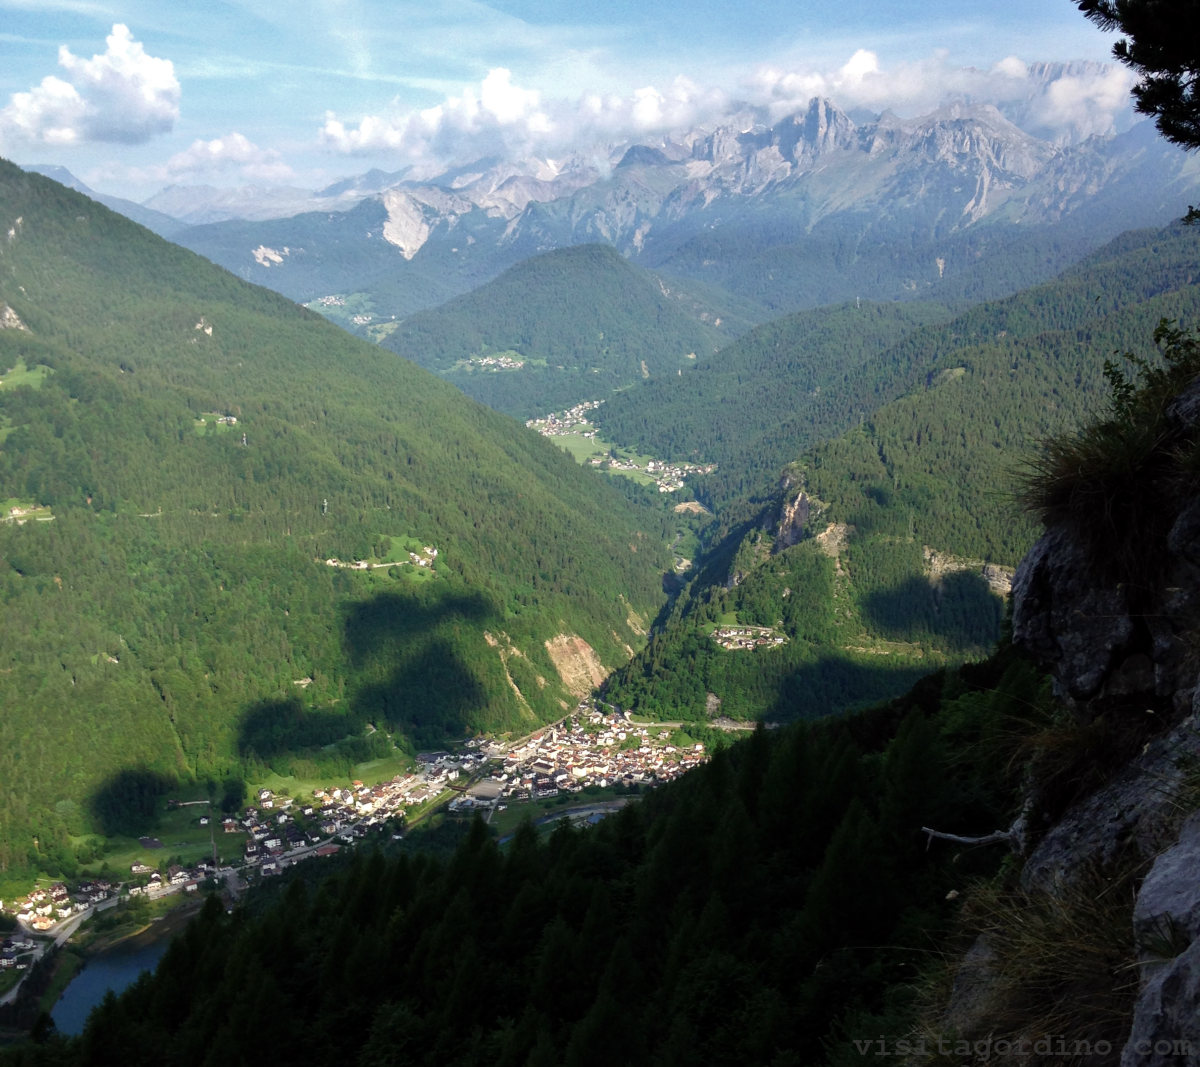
{"points": [[809, 210], [240, 545], [813, 208]]}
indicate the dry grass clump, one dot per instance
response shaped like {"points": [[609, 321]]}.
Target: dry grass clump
{"points": [[1045, 969], [1113, 483]]}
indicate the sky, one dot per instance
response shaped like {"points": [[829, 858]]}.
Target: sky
{"points": [[134, 95]]}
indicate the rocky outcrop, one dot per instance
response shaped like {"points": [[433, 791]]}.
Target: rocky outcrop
{"points": [[1118, 638], [1131, 819], [939, 564], [577, 664], [1111, 639], [9, 320], [1166, 922], [792, 526], [1083, 630]]}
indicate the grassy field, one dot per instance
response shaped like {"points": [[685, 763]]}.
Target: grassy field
{"points": [[584, 449], [20, 375], [8, 979], [186, 842], [134, 919], [396, 555], [66, 966], [183, 839], [28, 509], [371, 773], [209, 422], [352, 312]]}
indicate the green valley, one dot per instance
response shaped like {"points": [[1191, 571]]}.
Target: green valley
{"points": [[558, 329], [157, 628]]}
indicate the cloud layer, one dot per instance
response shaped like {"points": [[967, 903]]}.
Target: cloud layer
{"points": [[122, 96], [500, 117], [232, 153]]}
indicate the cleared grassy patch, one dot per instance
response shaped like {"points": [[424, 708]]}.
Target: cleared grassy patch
{"points": [[217, 422], [371, 773], [19, 374], [585, 449], [17, 510]]}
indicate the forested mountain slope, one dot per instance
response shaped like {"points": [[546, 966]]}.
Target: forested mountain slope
{"points": [[170, 607], [568, 326], [807, 377], [767, 908], [882, 552]]}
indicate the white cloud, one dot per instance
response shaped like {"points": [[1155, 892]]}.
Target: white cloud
{"points": [[1056, 103], [499, 116], [1085, 103], [50, 113], [235, 152], [123, 96]]}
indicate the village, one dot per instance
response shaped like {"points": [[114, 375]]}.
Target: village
{"points": [[590, 748], [495, 363], [668, 477], [424, 558], [747, 637]]}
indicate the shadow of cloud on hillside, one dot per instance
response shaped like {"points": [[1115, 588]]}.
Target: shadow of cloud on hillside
{"points": [[959, 611], [272, 728], [372, 626], [127, 802], [833, 684], [415, 662], [430, 694], [409, 673]]}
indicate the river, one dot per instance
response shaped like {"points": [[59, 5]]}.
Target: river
{"points": [[114, 968]]}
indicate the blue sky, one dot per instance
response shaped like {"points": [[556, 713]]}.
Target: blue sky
{"points": [[132, 95]]}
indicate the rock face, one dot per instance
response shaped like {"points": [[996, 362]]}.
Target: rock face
{"points": [[577, 664], [1166, 922], [939, 564], [1122, 652], [9, 320], [1112, 641], [1081, 629], [793, 521]]}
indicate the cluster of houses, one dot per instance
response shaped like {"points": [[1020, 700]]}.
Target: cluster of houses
{"points": [[589, 748], [279, 828], [424, 558], [275, 826], [573, 420], [355, 810], [569, 756], [669, 477], [743, 637], [20, 513], [496, 362], [16, 952], [42, 908], [151, 881]]}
